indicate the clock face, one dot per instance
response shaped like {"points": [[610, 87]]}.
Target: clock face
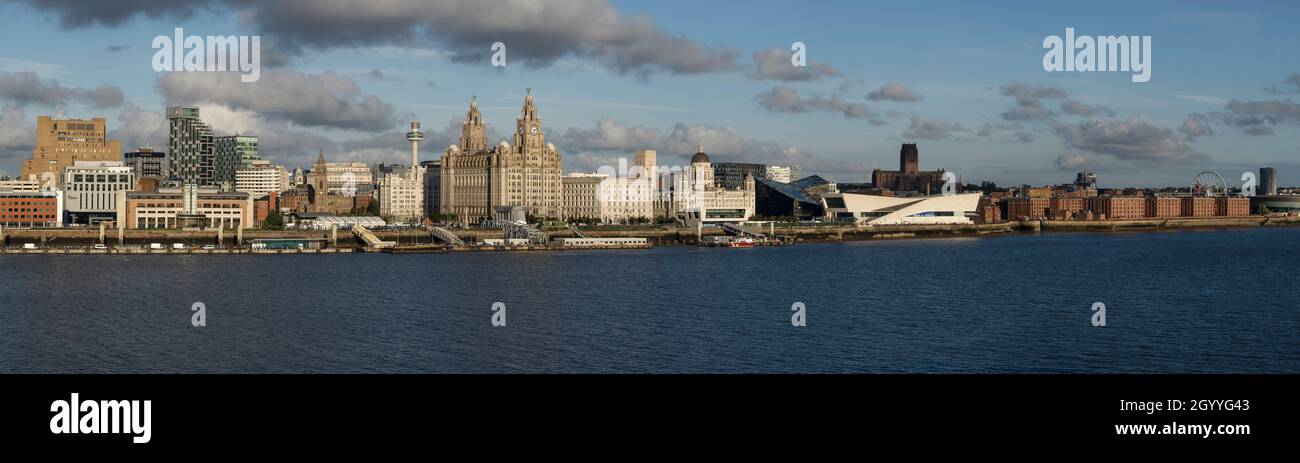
{"points": [[533, 130]]}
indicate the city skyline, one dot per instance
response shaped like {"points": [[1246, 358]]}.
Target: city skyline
{"points": [[668, 78]]}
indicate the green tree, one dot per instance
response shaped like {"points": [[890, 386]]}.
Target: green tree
{"points": [[274, 221]]}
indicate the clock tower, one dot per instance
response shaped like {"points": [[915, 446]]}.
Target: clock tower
{"points": [[528, 128]]}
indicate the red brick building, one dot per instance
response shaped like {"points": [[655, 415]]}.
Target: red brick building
{"points": [[1233, 206], [1118, 207], [1164, 207], [1033, 208], [1065, 208], [35, 210], [1200, 206]]}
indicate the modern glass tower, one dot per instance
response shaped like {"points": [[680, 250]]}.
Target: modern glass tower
{"points": [[230, 154], [189, 146]]}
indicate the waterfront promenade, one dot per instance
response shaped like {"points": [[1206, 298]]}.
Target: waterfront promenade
{"points": [[81, 241]]}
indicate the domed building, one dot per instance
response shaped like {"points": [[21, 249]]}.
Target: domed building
{"points": [[697, 191], [477, 178]]}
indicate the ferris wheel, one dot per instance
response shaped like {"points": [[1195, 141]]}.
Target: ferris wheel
{"points": [[1209, 183]]}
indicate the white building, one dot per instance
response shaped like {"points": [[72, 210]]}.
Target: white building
{"points": [[613, 194], [783, 174], [90, 189], [870, 210], [401, 194], [20, 186], [401, 191], [695, 190], [260, 178]]}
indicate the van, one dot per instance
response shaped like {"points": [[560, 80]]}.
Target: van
{"points": [[29, 245], [155, 246]]}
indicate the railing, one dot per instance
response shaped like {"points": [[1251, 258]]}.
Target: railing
{"points": [[573, 228], [738, 231], [445, 235]]}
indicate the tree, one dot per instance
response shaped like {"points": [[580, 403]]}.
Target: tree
{"points": [[274, 221]]}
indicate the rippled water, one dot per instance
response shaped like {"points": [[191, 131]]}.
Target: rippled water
{"points": [[1184, 301]]}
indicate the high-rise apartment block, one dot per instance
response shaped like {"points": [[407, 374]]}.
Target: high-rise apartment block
{"points": [[189, 146]]}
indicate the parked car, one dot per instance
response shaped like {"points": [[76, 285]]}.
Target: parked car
{"points": [[29, 245], [208, 247], [178, 245], [155, 246], [100, 246]]}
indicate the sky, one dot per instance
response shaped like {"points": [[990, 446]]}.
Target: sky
{"points": [[963, 80]]}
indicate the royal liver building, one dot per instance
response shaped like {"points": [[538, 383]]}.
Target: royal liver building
{"points": [[476, 178]]}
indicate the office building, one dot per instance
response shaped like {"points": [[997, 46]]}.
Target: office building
{"points": [[61, 142], [187, 207], [476, 178], [147, 163], [229, 154], [783, 174], [31, 209], [581, 196], [1267, 181], [731, 175], [261, 178], [90, 190], [432, 187]]}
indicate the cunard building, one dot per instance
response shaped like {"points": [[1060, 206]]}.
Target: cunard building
{"points": [[477, 178]]}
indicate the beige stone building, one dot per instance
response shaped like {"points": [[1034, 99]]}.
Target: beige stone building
{"points": [[190, 207], [475, 178], [695, 188], [60, 142], [341, 177], [581, 196]]}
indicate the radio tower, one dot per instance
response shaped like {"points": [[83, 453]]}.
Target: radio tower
{"points": [[415, 135]]}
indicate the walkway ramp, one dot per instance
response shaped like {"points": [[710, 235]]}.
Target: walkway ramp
{"points": [[736, 230], [445, 235], [369, 238]]}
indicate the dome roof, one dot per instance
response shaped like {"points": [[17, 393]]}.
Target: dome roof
{"points": [[700, 156]]}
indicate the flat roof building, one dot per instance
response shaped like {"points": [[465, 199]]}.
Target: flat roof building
{"points": [[31, 210], [61, 142]]}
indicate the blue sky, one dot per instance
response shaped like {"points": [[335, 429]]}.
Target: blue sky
{"points": [[667, 75]]}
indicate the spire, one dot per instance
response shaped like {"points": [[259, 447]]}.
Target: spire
{"points": [[321, 158]]}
